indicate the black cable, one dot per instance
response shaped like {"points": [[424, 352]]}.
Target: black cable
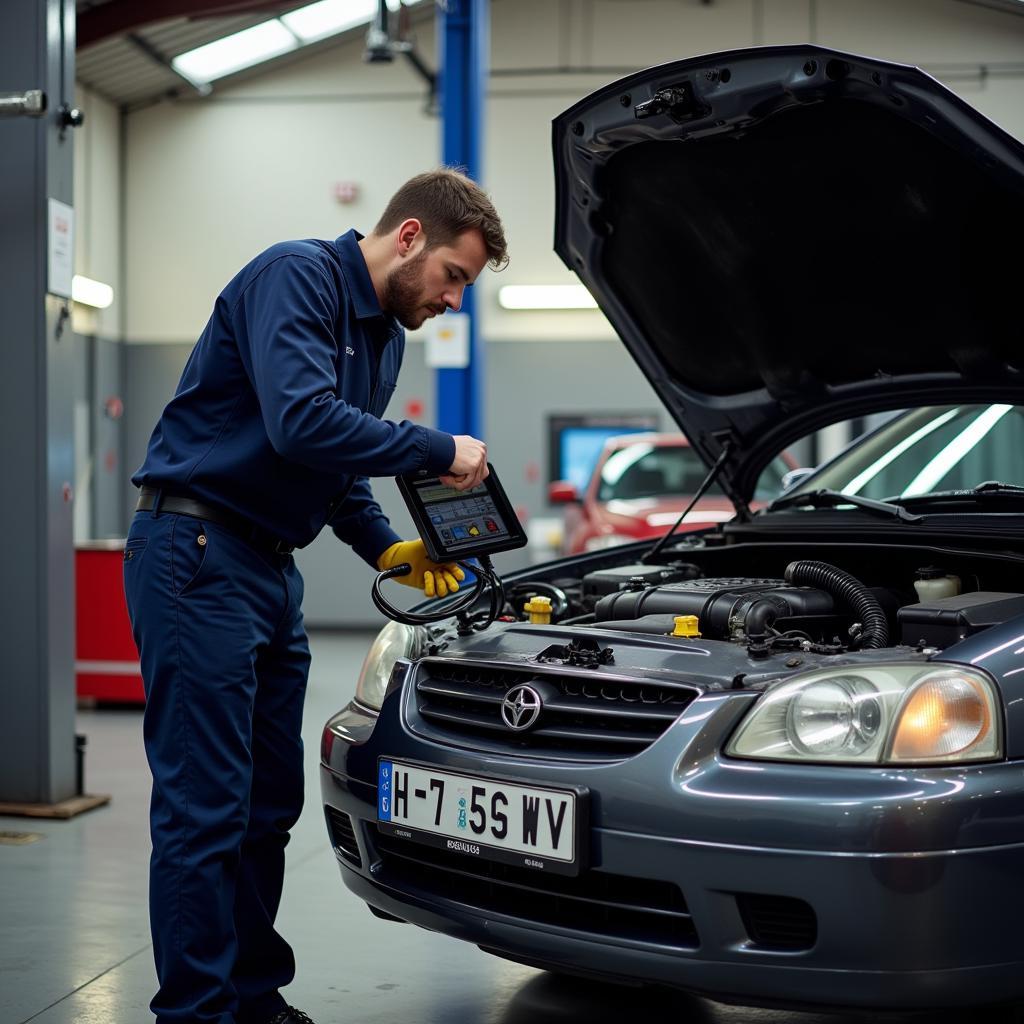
{"points": [[486, 578], [474, 623]]}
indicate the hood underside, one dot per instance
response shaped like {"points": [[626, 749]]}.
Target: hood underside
{"points": [[789, 236]]}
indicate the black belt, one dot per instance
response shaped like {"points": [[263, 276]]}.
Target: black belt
{"points": [[184, 506]]}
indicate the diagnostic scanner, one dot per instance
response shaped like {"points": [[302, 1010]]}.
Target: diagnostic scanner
{"points": [[455, 525]]}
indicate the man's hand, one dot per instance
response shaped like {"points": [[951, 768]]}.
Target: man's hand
{"points": [[427, 575], [470, 465]]}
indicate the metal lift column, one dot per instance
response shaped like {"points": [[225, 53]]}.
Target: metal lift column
{"points": [[463, 46], [37, 684]]}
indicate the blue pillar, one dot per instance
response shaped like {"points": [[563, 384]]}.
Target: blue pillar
{"points": [[463, 45]]}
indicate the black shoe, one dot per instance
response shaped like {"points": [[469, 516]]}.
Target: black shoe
{"points": [[290, 1016]]}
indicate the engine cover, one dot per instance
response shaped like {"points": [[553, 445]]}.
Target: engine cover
{"points": [[724, 607]]}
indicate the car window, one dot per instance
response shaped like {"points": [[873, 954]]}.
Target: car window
{"points": [[650, 471], [938, 448], [769, 483]]}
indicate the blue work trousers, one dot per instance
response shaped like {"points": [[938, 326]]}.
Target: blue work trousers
{"points": [[225, 660]]}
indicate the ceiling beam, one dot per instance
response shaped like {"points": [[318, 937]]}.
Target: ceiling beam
{"points": [[116, 17]]}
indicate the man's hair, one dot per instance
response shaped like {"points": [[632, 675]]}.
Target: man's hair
{"points": [[447, 203]]}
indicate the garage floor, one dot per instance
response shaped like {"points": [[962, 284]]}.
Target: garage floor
{"points": [[74, 934]]}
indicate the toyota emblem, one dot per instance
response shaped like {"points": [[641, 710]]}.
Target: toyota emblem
{"points": [[521, 708]]}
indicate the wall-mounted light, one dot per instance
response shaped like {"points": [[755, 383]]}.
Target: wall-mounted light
{"points": [[90, 292], [545, 296]]}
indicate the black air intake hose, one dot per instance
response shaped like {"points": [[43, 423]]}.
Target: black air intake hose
{"points": [[846, 588]]}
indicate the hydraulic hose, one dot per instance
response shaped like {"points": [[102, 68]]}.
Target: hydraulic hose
{"points": [[848, 589]]}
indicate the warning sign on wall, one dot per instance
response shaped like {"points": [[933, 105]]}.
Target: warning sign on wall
{"points": [[61, 248]]}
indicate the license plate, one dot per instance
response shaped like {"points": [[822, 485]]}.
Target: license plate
{"points": [[496, 819]]}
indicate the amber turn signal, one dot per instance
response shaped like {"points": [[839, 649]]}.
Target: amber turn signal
{"points": [[942, 715]]}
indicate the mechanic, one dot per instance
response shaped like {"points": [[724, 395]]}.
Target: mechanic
{"points": [[272, 434]]}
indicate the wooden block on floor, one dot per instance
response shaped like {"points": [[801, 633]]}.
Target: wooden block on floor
{"points": [[64, 809]]}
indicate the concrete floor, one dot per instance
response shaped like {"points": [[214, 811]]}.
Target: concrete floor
{"points": [[74, 933]]}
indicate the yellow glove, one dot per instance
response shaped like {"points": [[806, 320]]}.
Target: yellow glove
{"points": [[427, 575]]}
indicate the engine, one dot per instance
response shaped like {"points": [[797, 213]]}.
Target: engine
{"points": [[726, 609], [815, 606]]}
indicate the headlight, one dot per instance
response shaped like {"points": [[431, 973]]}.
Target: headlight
{"points": [[394, 641], [880, 714]]}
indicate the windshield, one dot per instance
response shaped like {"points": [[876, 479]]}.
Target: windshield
{"points": [[645, 470], [937, 448]]}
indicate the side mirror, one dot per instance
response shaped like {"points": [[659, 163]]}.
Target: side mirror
{"points": [[562, 492], [795, 477]]}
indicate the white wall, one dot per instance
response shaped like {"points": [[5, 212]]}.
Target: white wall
{"points": [[97, 201], [211, 182]]}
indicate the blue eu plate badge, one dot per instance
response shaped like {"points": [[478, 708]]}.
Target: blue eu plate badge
{"points": [[384, 774]]}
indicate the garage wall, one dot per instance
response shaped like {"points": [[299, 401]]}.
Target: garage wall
{"points": [[211, 182]]}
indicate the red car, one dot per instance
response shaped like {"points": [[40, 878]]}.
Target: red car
{"points": [[639, 487]]}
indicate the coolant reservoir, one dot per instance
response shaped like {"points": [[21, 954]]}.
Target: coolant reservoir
{"points": [[932, 583]]}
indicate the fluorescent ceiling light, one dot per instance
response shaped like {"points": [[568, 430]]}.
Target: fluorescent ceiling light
{"points": [[545, 296], [317, 21], [90, 292], [235, 52]]}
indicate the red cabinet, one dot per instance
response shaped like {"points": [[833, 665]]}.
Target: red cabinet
{"points": [[106, 661]]}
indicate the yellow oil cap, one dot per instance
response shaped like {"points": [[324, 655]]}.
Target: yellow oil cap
{"points": [[539, 610], [687, 625]]}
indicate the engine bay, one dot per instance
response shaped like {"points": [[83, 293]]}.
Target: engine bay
{"points": [[815, 598]]}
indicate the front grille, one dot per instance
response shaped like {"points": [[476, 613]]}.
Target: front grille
{"points": [[343, 837], [589, 714], [778, 922], [596, 902]]}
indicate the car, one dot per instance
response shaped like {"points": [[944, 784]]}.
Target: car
{"points": [[640, 486], [779, 760]]}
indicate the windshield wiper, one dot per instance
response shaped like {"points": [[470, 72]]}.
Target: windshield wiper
{"points": [[990, 492], [833, 499]]}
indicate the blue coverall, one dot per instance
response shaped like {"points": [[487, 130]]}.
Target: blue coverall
{"points": [[276, 422]]}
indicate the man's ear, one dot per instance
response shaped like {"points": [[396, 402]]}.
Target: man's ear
{"points": [[409, 237]]}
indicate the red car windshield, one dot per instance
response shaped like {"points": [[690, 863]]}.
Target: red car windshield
{"points": [[646, 470]]}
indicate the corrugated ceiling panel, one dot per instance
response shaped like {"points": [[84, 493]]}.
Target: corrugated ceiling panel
{"points": [[131, 66], [100, 55], [130, 79]]}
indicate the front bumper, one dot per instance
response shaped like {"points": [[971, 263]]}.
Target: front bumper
{"points": [[802, 885]]}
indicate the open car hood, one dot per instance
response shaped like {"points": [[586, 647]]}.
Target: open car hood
{"points": [[789, 236]]}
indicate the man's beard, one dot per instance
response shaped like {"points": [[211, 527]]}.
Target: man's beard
{"points": [[403, 293]]}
